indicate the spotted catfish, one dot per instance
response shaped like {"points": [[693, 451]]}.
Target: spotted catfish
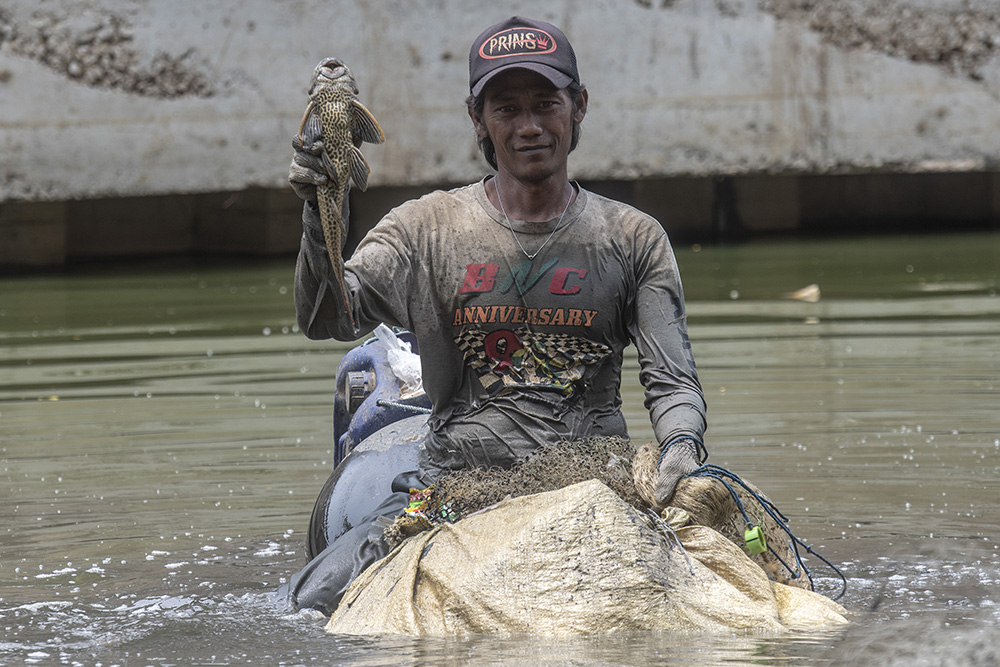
{"points": [[335, 115]]}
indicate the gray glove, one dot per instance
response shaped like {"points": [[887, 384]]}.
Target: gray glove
{"points": [[307, 170], [678, 459]]}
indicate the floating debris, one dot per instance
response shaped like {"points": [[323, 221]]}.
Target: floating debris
{"points": [[809, 294]]}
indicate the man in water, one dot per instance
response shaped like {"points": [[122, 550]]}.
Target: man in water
{"points": [[523, 289]]}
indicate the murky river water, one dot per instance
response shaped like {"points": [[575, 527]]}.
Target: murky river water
{"points": [[164, 430]]}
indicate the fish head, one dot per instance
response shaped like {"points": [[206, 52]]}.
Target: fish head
{"points": [[332, 72]]}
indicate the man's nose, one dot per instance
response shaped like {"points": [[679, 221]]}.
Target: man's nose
{"points": [[529, 124]]}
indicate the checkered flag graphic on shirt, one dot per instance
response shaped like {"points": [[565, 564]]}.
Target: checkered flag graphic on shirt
{"points": [[470, 342], [542, 360], [569, 347]]}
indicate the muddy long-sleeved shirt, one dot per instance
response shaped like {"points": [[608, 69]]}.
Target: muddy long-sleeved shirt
{"points": [[516, 352]]}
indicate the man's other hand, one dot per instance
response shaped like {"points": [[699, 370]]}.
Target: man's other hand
{"points": [[679, 458]]}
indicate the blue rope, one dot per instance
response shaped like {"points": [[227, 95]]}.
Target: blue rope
{"points": [[383, 403], [724, 476], [793, 574]]}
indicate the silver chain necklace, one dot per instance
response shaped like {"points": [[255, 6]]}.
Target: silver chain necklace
{"points": [[547, 238]]}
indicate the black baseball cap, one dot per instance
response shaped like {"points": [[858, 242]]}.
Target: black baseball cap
{"points": [[522, 43]]}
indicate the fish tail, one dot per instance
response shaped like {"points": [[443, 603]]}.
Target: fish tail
{"points": [[334, 231], [345, 297]]}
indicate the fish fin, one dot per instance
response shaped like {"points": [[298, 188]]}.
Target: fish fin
{"points": [[359, 169], [305, 119], [364, 126], [313, 130], [331, 171]]}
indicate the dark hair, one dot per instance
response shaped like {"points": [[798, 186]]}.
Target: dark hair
{"points": [[476, 104]]}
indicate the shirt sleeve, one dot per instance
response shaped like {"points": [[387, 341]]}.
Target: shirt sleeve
{"points": [[376, 278], [658, 328], [319, 311]]}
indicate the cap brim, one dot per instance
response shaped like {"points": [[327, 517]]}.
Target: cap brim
{"points": [[555, 77]]}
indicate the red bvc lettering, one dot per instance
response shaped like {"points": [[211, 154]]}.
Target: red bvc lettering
{"points": [[479, 278], [561, 283]]}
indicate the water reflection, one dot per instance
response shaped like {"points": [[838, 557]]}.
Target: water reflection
{"points": [[164, 430]]}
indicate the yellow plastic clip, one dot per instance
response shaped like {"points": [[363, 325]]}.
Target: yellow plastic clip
{"points": [[754, 540]]}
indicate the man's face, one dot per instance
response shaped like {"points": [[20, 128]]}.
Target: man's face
{"points": [[530, 123]]}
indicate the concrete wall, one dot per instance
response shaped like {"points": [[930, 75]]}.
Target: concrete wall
{"points": [[136, 98]]}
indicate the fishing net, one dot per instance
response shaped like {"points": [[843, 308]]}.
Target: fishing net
{"points": [[463, 492], [707, 501]]}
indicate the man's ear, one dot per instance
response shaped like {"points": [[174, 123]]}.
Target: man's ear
{"points": [[580, 108], [477, 121]]}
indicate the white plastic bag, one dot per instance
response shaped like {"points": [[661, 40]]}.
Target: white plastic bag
{"points": [[405, 364]]}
